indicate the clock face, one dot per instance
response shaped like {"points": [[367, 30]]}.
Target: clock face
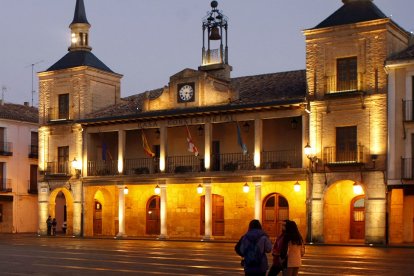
{"points": [[186, 92]]}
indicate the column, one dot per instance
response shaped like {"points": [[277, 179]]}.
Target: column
{"points": [[163, 211], [258, 141], [77, 193], [257, 181], [43, 201], [163, 147], [207, 145], [121, 150], [208, 214], [121, 211]]}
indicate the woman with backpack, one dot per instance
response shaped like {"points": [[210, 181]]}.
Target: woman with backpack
{"points": [[293, 249], [253, 247]]}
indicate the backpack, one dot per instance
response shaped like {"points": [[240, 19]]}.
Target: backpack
{"points": [[253, 255]]}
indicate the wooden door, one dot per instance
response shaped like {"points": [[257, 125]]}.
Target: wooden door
{"points": [[357, 227], [275, 210], [153, 224], [97, 218], [217, 215]]}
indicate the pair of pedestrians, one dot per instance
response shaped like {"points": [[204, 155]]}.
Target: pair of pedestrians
{"points": [[287, 250], [51, 226]]}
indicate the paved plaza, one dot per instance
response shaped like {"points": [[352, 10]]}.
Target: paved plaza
{"points": [[32, 255]]}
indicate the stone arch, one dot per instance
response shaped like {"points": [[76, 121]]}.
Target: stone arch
{"points": [[69, 206]]}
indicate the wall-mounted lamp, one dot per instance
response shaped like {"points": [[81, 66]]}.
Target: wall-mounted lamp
{"points": [[199, 189], [200, 130], [157, 190], [246, 188], [357, 189], [246, 127], [77, 166], [296, 186], [126, 191], [309, 153]]}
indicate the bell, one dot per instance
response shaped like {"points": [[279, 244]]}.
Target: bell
{"points": [[215, 34]]}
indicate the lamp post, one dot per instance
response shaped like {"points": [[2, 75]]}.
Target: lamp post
{"points": [[77, 165]]}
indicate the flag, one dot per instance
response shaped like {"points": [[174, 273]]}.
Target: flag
{"points": [[191, 147], [145, 145], [240, 140]]}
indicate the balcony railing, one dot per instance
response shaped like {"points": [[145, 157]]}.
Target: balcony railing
{"points": [[333, 86], [141, 166], [53, 114], [231, 162], [33, 151], [32, 186], [6, 148], [281, 159], [407, 107], [5, 185], [102, 167], [57, 168], [407, 168], [333, 155], [184, 164]]}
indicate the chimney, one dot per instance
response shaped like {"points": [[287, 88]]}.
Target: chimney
{"points": [[26, 104]]}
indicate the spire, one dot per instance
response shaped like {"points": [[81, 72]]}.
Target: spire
{"points": [[350, 1], [79, 29], [80, 14]]}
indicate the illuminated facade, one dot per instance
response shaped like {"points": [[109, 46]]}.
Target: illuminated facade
{"points": [[18, 168], [206, 153]]}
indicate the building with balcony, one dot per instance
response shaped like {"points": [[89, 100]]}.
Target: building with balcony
{"points": [[18, 168], [204, 154]]}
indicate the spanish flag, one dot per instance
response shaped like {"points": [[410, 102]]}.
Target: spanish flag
{"points": [[145, 145]]}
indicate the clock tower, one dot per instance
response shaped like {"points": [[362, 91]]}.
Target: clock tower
{"points": [[215, 58]]}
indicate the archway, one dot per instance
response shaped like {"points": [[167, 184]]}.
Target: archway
{"points": [[61, 208], [275, 209], [153, 226], [103, 219], [97, 218]]}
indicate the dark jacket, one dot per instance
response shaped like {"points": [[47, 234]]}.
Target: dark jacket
{"points": [[263, 241]]}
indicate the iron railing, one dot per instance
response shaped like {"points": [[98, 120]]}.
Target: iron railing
{"points": [[335, 155], [141, 166], [5, 185], [231, 162], [184, 164], [281, 159], [33, 151], [102, 167], [32, 186], [6, 148], [53, 168], [54, 114]]}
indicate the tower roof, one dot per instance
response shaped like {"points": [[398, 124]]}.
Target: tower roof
{"points": [[353, 11], [80, 14], [79, 58]]}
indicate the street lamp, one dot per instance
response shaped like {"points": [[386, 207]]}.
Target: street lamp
{"points": [[199, 189], [157, 190], [358, 190], [246, 188], [77, 165], [126, 191], [296, 186]]}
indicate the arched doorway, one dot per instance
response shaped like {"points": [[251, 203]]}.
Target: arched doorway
{"points": [[97, 218], [60, 212], [61, 208], [153, 226], [275, 209], [357, 226], [217, 215]]}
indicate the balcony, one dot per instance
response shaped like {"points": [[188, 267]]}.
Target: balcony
{"points": [[57, 168], [281, 159], [54, 114], [335, 87], [185, 164], [6, 148], [141, 166], [5, 185], [102, 168], [33, 151], [407, 168], [336, 156]]}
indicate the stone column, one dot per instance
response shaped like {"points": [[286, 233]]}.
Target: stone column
{"points": [[163, 211], [208, 214], [207, 146], [258, 141], [121, 211], [43, 201], [257, 181], [121, 150], [77, 208], [163, 147]]}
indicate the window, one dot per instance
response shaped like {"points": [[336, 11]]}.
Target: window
{"points": [[64, 106], [346, 144], [346, 74], [33, 179], [63, 159], [34, 144]]}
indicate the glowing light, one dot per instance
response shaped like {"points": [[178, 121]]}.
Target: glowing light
{"points": [[199, 189], [74, 39], [126, 191], [257, 159], [246, 188], [157, 190], [296, 186], [358, 189]]}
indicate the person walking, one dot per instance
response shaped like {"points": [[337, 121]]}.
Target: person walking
{"points": [[293, 249], [49, 225], [278, 265], [54, 224], [253, 247]]}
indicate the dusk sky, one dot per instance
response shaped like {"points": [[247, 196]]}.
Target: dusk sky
{"points": [[148, 41]]}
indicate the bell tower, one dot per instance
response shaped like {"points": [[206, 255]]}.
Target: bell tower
{"points": [[79, 29], [215, 58]]}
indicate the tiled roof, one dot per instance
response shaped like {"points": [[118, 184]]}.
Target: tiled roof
{"points": [[275, 88], [79, 58], [408, 53], [19, 112], [353, 12]]}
